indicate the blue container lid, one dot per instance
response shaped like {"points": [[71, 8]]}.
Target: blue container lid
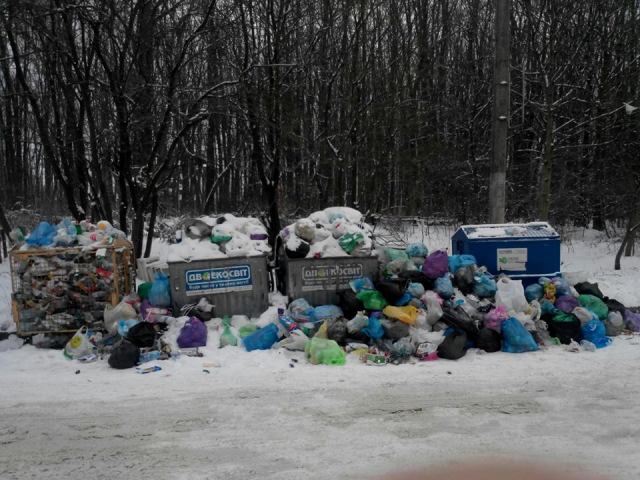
{"points": [[510, 230]]}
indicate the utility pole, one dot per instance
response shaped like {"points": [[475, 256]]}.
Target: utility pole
{"points": [[500, 117]]}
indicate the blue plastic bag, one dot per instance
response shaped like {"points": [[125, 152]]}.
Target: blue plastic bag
{"points": [[301, 310], [416, 289], [42, 235], [562, 287], [417, 250], [516, 338], [404, 300], [535, 291], [459, 261], [66, 234], [444, 287], [374, 330], [484, 286], [548, 308], [362, 283], [327, 312], [125, 325], [160, 293], [595, 332]]}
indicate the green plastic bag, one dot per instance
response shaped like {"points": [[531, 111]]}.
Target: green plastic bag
{"points": [[350, 241], [144, 289], [219, 239], [246, 330], [372, 299], [564, 317], [321, 351], [227, 337], [394, 254], [593, 303]]}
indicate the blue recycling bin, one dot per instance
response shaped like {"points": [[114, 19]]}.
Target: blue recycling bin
{"points": [[525, 251]]}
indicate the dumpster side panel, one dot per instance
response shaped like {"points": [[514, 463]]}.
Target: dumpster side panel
{"points": [[520, 258], [320, 280], [236, 286]]}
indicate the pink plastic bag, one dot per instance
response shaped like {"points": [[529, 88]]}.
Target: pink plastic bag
{"points": [[495, 317]]}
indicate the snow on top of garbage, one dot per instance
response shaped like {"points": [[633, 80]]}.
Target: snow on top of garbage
{"points": [[329, 225], [240, 245], [324, 216]]}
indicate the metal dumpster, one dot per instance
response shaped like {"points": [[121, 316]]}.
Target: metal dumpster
{"points": [[320, 280], [236, 286], [522, 251]]}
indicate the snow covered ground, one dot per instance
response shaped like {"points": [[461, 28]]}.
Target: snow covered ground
{"points": [[239, 415]]}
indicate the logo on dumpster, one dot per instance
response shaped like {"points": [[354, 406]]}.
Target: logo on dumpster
{"points": [[218, 280], [330, 277]]}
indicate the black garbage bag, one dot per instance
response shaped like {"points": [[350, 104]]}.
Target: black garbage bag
{"points": [[453, 346], [416, 276], [394, 329], [142, 335], [300, 251], [564, 330], [456, 317], [489, 340], [614, 305], [349, 303], [337, 330], [586, 288], [392, 290], [463, 279], [124, 355]]}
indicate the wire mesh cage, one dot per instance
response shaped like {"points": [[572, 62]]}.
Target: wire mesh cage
{"points": [[58, 290]]}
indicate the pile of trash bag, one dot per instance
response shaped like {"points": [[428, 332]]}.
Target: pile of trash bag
{"points": [[209, 237], [332, 232], [436, 307], [68, 233]]}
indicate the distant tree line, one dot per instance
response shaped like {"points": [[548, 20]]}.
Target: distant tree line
{"points": [[117, 109]]}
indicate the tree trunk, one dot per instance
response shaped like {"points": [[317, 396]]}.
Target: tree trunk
{"points": [[501, 90]]}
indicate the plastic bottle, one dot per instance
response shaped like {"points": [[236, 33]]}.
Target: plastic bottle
{"points": [[178, 236], [286, 321], [149, 356], [262, 339]]}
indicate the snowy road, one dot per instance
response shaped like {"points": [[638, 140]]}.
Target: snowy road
{"points": [[259, 418]]}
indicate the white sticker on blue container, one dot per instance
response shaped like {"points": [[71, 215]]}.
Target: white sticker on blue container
{"points": [[512, 259]]}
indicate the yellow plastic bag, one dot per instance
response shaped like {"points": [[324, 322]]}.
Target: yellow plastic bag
{"points": [[407, 314]]}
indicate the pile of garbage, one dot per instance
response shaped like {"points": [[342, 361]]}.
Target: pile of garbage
{"points": [[332, 232], [68, 233], [436, 307], [207, 237]]}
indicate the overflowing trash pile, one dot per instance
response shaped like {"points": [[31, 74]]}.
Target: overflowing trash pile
{"points": [[68, 233], [332, 232], [206, 238], [64, 276], [423, 307]]}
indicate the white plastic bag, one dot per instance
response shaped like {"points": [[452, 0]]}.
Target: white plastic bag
{"points": [[79, 345], [122, 311], [434, 308], [511, 294]]}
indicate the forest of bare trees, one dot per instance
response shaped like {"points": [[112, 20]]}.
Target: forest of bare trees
{"points": [[118, 109]]}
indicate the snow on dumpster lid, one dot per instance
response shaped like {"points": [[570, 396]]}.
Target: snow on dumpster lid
{"points": [[510, 230]]}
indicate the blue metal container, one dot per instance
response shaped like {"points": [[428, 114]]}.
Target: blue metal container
{"points": [[522, 251]]}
